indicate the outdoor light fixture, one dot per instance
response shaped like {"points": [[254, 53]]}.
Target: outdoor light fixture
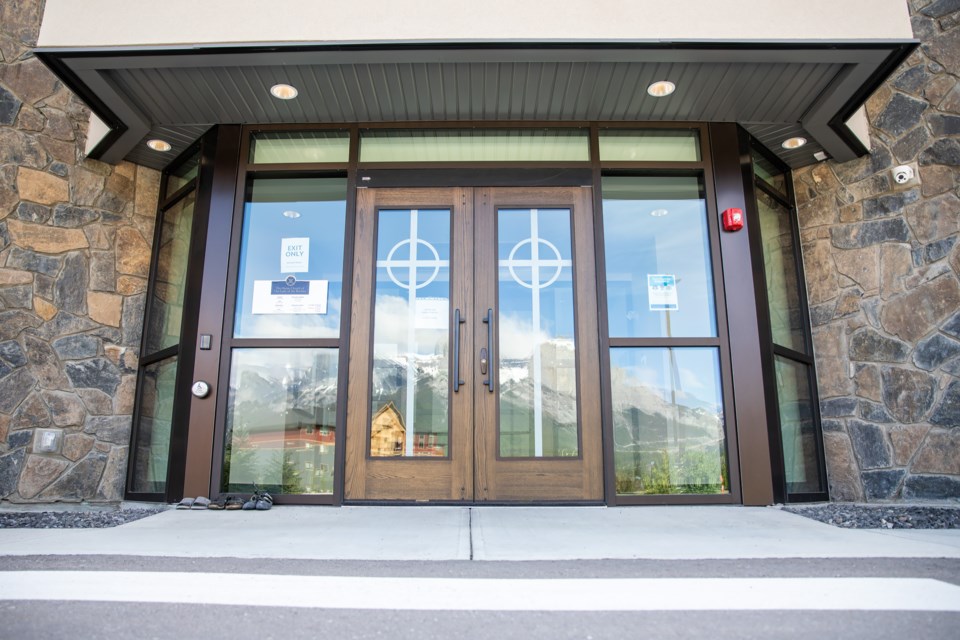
{"points": [[661, 88], [284, 91], [159, 145], [659, 213], [793, 143], [291, 214]]}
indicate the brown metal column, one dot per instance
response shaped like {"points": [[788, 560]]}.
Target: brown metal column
{"points": [[742, 274], [218, 184]]}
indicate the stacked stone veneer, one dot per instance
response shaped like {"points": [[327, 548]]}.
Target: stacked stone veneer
{"points": [[74, 258], [882, 263]]}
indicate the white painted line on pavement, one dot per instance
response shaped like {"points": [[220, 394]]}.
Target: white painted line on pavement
{"points": [[493, 594]]}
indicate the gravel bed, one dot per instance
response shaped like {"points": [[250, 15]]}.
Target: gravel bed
{"points": [[70, 519], [861, 516]]}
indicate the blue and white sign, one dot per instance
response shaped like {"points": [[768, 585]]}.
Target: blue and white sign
{"points": [[662, 292], [290, 296]]}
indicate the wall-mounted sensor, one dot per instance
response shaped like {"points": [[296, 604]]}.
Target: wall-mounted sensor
{"points": [[903, 174]]}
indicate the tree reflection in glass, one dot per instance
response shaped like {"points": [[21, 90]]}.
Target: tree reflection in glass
{"points": [[281, 421]]}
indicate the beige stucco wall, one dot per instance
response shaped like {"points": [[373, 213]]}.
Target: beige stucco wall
{"points": [[103, 23]]}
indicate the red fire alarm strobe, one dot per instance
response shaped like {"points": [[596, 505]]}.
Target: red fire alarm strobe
{"points": [[733, 220]]}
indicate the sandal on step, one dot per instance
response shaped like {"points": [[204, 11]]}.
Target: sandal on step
{"points": [[201, 503], [233, 503], [218, 504], [264, 501], [186, 503]]}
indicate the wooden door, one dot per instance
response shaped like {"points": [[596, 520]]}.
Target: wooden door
{"points": [[409, 420], [474, 347], [538, 418]]}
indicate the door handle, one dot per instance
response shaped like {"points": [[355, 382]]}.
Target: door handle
{"points": [[484, 353], [457, 321]]}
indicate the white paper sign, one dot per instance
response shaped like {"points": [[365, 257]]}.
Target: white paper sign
{"points": [[431, 313], [294, 255], [290, 296], [662, 292]]}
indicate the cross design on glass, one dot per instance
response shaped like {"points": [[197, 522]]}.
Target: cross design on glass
{"points": [[412, 265], [553, 266]]}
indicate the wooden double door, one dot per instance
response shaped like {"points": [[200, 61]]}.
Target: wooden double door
{"points": [[474, 349]]}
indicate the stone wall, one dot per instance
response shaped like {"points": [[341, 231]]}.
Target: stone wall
{"points": [[882, 263], [74, 255]]}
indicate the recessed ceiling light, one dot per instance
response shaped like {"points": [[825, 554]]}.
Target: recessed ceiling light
{"points": [[661, 88], [284, 91], [659, 213], [793, 143], [291, 214], [159, 145]]}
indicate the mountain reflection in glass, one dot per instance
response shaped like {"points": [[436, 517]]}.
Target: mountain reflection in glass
{"points": [[668, 428], [537, 373], [411, 328], [281, 421]]}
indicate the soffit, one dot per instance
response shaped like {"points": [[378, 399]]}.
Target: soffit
{"points": [[772, 89]]}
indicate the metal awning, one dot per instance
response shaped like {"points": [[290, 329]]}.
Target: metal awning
{"points": [[776, 90]]}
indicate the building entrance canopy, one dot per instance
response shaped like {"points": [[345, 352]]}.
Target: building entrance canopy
{"points": [[776, 86]]}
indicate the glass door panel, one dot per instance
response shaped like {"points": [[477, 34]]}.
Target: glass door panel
{"points": [[410, 386], [281, 421], [659, 275], [668, 428], [291, 259], [536, 337]]}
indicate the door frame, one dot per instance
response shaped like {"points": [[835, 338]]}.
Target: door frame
{"points": [[474, 471], [724, 173]]}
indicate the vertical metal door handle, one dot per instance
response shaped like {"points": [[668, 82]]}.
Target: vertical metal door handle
{"points": [[488, 352], [457, 321]]}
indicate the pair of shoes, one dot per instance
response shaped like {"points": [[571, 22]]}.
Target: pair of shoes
{"points": [[259, 501], [227, 503], [194, 503]]}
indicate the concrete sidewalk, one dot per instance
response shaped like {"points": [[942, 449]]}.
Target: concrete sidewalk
{"points": [[484, 533]]}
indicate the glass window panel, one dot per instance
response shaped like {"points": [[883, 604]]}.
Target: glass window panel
{"points": [[411, 327], [535, 322], [299, 147], [475, 145], [668, 424], [797, 428], [179, 177], [769, 173], [655, 145], [780, 265], [659, 274], [281, 421], [291, 259], [151, 451], [166, 311]]}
